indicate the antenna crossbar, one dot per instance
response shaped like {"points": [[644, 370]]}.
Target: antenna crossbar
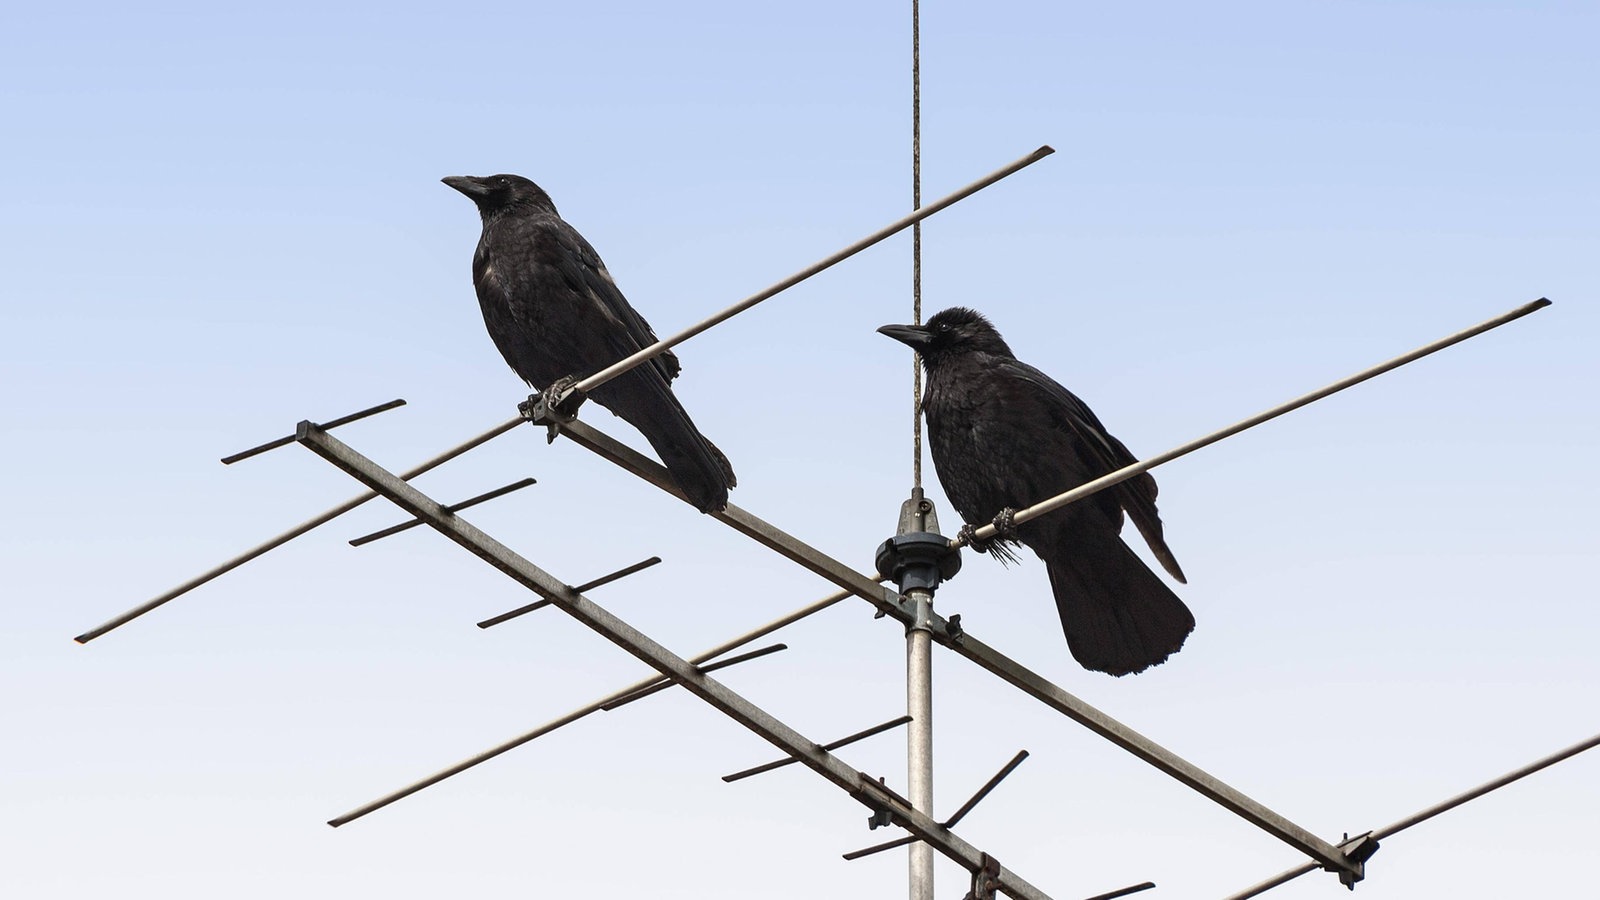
{"points": [[964, 644]]}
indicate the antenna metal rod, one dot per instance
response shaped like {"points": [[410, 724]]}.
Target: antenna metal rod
{"points": [[286, 441], [293, 533], [586, 586], [731, 704], [854, 855], [1396, 827], [665, 683], [1123, 474], [834, 745], [965, 644], [659, 347], [950, 822], [454, 507], [1473, 794], [1133, 889], [596, 706], [984, 791]]}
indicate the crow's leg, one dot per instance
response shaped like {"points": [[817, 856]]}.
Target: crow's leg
{"points": [[539, 410]]}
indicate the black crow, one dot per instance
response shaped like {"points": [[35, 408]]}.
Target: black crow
{"points": [[1004, 435], [554, 313]]}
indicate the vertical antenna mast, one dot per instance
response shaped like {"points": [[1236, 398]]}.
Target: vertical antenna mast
{"points": [[919, 636], [916, 243]]}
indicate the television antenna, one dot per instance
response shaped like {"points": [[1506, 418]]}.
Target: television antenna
{"points": [[917, 558]]}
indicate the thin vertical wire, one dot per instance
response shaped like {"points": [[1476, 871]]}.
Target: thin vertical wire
{"points": [[916, 242]]}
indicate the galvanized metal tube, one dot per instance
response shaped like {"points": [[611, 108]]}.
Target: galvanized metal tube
{"points": [[1123, 474], [919, 737], [292, 533], [659, 347], [861, 787], [582, 711]]}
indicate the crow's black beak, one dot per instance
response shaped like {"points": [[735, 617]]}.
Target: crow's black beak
{"points": [[914, 336], [466, 184]]}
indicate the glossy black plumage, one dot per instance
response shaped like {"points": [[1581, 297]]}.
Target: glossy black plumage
{"points": [[553, 311], [1005, 435]]}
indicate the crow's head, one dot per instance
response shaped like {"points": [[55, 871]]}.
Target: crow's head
{"points": [[952, 332], [500, 194]]}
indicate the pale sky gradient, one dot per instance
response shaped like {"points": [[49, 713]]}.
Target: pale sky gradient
{"points": [[220, 221]]}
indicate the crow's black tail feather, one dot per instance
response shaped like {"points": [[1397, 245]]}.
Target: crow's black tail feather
{"points": [[699, 468], [1119, 617]]}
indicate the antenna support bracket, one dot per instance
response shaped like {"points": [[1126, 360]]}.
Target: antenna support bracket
{"points": [[985, 879], [1358, 850]]}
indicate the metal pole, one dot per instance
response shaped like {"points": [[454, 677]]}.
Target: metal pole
{"points": [[292, 533], [857, 783], [1394, 828], [659, 347], [919, 635], [917, 515], [919, 736], [1123, 474]]}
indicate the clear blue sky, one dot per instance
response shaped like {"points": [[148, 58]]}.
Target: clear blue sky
{"points": [[217, 222]]}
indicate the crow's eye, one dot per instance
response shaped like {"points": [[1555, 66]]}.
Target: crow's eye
{"points": [[505, 181]]}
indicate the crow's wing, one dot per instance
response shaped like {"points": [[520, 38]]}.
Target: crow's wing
{"points": [[582, 269], [1105, 454]]}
